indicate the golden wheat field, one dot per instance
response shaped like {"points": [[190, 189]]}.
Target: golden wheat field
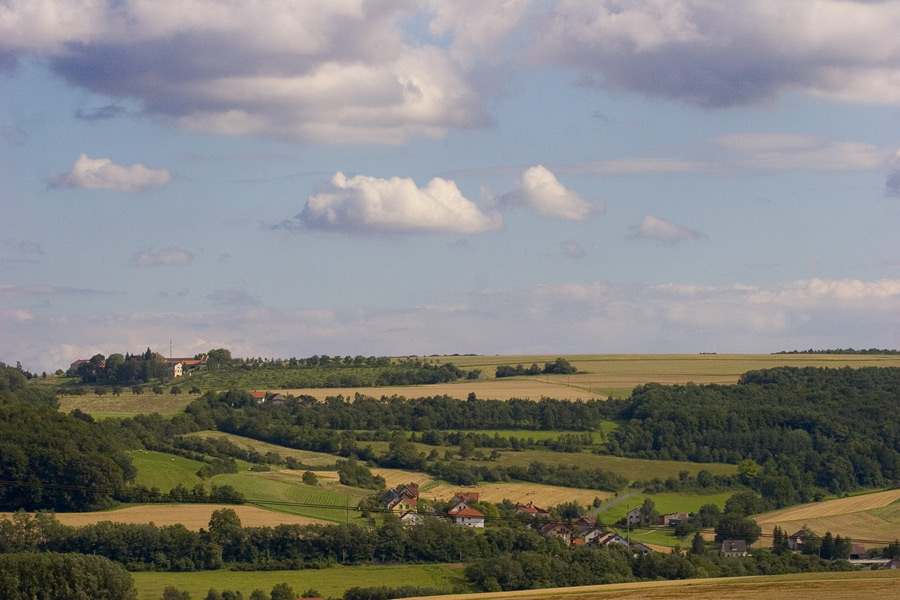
{"points": [[883, 585], [872, 518], [192, 516]]}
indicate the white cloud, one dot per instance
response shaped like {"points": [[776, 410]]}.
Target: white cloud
{"points": [[365, 204], [540, 189], [596, 317], [654, 228], [103, 174], [730, 53], [166, 256], [336, 71]]}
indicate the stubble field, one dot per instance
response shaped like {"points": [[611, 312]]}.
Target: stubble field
{"points": [[871, 519], [192, 516]]}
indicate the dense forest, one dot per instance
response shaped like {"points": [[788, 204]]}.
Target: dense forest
{"points": [[800, 430]]}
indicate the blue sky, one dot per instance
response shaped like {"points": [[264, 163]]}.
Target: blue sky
{"points": [[352, 177]]}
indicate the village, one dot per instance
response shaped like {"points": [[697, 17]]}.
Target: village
{"points": [[584, 530]]}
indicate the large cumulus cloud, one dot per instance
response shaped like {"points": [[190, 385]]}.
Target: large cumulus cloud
{"points": [[338, 71], [730, 53], [364, 204]]}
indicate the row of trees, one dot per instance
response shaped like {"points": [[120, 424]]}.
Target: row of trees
{"points": [[558, 367]]}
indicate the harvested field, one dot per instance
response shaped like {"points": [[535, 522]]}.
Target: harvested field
{"points": [[542, 495], [813, 586], [395, 477], [832, 508], [602, 375], [192, 516], [871, 519]]}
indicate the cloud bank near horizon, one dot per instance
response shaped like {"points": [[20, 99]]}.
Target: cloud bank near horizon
{"points": [[568, 318]]}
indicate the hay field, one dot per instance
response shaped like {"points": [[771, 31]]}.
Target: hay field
{"points": [[192, 516], [872, 518], [395, 477], [884, 585], [544, 496]]}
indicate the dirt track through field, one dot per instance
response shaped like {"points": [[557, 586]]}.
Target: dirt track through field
{"points": [[192, 516]]}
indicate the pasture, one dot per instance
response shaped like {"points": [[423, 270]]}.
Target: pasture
{"points": [[283, 491], [632, 468], [164, 471], [127, 404], [328, 582], [308, 458], [870, 519]]}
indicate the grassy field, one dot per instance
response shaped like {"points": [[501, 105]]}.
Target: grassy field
{"points": [[310, 459], [871, 519], [127, 404], [803, 586], [164, 471], [665, 503], [632, 468], [330, 582], [282, 491]]}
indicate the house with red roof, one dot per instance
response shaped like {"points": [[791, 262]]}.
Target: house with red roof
{"points": [[532, 511], [469, 517]]}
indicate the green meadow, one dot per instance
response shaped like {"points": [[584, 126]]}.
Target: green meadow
{"points": [[328, 582], [164, 471], [308, 458], [283, 493]]}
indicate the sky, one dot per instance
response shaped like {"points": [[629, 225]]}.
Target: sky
{"points": [[350, 177]]}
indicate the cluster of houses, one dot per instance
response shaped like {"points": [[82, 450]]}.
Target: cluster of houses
{"points": [[175, 367], [583, 531]]}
